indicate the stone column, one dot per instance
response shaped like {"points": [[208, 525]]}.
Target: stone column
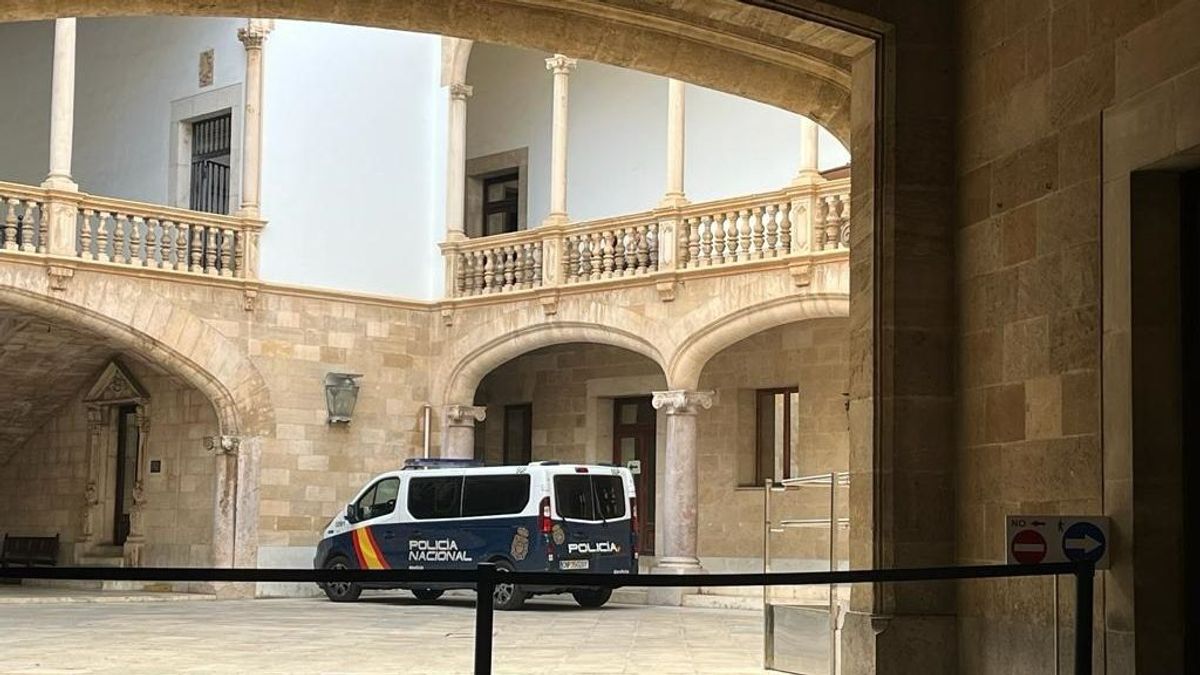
{"points": [[62, 107], [252, 37], [224, 537], [678, 507], [675, 147], [458, 435], [561, 66], [456, 161], [809, 153]]}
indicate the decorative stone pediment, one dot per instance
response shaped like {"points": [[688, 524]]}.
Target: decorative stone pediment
{"points": [[116, 386]]}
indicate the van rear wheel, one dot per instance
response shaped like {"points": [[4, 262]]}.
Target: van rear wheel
{"points": [[507, 596], [340, 591], [592, 598]]}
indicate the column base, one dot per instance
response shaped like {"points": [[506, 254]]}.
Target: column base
{"points": [[63, 183], [674, 200], [674, 565], [556, 219], [805, 178]]}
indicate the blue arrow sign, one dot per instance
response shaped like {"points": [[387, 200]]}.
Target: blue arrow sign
{"points": [[1084, 541]]}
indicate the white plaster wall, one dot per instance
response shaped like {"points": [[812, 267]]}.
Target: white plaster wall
{"points": [[25, 55], [350, 116], [616, 160]]}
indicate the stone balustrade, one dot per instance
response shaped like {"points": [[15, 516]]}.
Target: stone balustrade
{"points": [[797, 221], [133, 234], [23, 218]]}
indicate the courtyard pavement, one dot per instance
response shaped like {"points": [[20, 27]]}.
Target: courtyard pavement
{"points": [[382, 634]]}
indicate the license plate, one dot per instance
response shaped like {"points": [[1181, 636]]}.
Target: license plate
{"points": [[573, 564]]}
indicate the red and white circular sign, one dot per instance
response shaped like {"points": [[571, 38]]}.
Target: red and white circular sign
{"points": [[1029, 547]]}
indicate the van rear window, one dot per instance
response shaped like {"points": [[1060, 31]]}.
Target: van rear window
{"points": [[495, 495], [588, 497]]}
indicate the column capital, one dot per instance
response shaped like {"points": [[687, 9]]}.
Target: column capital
{"points": [[682, 401], [560, 64], [464, 415], [222, 445], [255, 33], [460, 91]]}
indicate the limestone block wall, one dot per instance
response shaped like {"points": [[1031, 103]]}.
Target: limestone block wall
{"points": [[813, 356]]}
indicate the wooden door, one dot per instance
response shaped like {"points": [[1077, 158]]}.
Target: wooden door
{"points": [[634, 431]]}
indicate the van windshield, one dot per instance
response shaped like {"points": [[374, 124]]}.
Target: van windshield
{"points": [[588, 497]]}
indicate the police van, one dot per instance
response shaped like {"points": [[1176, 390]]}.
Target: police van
{"points": [[446, 514]]}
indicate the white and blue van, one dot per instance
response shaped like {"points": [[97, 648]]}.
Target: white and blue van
{"points": [[446, 514]]}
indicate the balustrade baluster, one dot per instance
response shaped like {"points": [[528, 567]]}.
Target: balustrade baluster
{"points": [[693, 243], [135, 241], [757, 229], [706, 248], [27, 227], [152, 252], [43, 244], [120, 252], [85, 234], [210, 250], [239, 254], [489, 271], [104, 237], [787, 217], [197, 251], [570, 259], [226, 252], [460, 273], [818, 225], [621, 241], [743, 221], [519, 279], [833, 224], [844, 234], [729, 238], [182, 237], [652, 246], [772, 229], [167, 243], [536, 264], [643, 254], [10, 224], [606, 254]]}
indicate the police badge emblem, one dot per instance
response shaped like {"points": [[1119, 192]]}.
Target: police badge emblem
{"points": [[520, 544], [558, 534]]}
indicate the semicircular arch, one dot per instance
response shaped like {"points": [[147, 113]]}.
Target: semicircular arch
{"points": [[470, 370], [694, 352]]}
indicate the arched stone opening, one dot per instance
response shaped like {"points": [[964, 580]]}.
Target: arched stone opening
{"points": [[210, 403], [102, 448]]}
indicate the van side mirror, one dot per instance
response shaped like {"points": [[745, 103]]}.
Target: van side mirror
{"points": [[350, 514]]}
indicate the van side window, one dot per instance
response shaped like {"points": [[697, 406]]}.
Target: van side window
{"points": [[495, 495], [435, 497], [379, 500]]}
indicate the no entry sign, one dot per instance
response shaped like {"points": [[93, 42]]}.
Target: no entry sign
{"points": [[1038, 539], [1028, 547]]}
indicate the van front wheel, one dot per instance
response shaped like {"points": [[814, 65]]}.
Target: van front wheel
{"points": [[592, 598], [341, 591], [507, 596]]}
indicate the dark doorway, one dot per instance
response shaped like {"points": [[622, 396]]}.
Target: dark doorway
{"points": [[126, 474], [518, 433], [211, 157], [634, 430], [501, 199]]}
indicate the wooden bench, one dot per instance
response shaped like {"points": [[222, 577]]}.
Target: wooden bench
{"points": [[29, 551]]}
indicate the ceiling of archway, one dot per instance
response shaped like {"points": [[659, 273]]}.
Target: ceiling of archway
{"points": [[43, 365], [750, 51]]}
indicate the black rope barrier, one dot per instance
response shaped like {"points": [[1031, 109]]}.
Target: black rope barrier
{"points": [[485, 577]]}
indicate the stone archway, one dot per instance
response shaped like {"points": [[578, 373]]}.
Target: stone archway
{"points": [[721, 44], [163, 333]]}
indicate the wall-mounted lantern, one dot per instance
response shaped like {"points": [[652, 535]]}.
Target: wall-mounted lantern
{"points": [[341, 393]]}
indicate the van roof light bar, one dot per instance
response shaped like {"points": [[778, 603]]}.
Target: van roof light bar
{"points": [[415, 463]]}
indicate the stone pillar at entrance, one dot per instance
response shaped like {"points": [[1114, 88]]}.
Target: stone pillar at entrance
{"points": [[561, 66], [458, 435], [678, 509]]}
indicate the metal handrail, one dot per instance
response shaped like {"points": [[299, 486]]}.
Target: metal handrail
{"points": [[485, 577]]}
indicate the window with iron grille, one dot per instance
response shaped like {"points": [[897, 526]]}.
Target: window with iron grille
{"points": [[211, 141]]}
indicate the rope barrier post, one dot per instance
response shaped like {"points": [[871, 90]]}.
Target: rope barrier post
{"points": [[484, 587], [1085, 576]]}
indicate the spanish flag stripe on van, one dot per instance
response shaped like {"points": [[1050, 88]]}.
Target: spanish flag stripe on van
{"points": [[367, 550]]}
